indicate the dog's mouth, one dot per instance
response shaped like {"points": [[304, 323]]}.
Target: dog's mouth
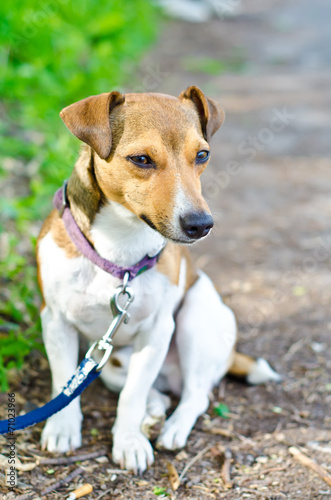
{"points": [[149, 223], [191, 228], [187, 241], [180, 241]]}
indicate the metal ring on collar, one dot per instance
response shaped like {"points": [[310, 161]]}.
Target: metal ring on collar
{"points": [[65, 202]]}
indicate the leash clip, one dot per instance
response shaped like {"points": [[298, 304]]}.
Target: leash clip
{"points": [[120, 315]]}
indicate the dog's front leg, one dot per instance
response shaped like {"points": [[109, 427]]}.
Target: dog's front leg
{"points": [[131, 449], [62, 431]]}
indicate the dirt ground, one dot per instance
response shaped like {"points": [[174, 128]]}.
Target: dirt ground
{"points": [[269, 189]]}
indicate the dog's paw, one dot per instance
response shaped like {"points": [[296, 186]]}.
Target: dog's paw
{"points": [[173, 436], [62, 431], [132, 451], [154, 419], [152, 425]]}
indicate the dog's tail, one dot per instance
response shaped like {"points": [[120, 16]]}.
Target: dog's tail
{"points": [[254, 371]]}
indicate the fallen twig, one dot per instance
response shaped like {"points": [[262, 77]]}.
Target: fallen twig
{"points": [[221, 390], [278, 494], [308, 462], [26, 496], [72, 459], [18, 464], [20, 484], [205, 490], [112, 478], [225, 471], [263, 472], [220, 432], [194, 459], [105, 493], [227, 433], [266, 471], [318, 447], [294, 348], [63, 481], [118, 471]]}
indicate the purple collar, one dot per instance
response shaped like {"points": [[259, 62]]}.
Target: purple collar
{"points": [[61, 203]]}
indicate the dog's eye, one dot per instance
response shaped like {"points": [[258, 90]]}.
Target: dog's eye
{"points": [[142, 161], [202, 156]]}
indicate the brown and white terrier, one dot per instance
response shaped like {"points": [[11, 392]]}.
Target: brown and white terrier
{"points": [[135, 187]]}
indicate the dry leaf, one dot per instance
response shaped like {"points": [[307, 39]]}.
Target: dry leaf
{"points": [[18, 464], [173, 476], [182, 455], [217, 452]]}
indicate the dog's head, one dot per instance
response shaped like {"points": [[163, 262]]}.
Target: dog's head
{"points": [[150, 152]]}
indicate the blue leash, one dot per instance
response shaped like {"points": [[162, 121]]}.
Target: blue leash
{"points": [[87, 371], [84, 375]]}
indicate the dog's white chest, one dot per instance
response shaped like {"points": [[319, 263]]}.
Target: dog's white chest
{"points": [[81, 292]]}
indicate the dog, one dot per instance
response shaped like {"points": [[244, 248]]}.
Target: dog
{"points": [[135, 191]]}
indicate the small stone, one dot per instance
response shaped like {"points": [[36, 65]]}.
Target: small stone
{"points": [[102, 460], [249, 459], [142, 482], [318, 346], [304, 414], [280, 436]]}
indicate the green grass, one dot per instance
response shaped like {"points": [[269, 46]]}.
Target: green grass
{"points": [[52, 54]]}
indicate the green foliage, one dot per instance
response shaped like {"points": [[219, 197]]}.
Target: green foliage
{"points": [[222, 410], [160, 491], [52, 53], [18, 311], [55, 53]]}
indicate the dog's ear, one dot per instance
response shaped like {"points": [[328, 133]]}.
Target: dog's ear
{"points": [[88, 120], [210, 112]]}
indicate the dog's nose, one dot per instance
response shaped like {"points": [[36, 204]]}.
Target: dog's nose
{"points": [[196, 225]]}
